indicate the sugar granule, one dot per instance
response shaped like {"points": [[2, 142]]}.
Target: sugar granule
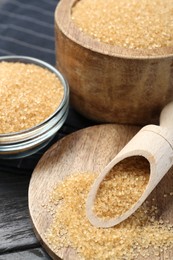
{"points": [[127, 23], [29, 94]]}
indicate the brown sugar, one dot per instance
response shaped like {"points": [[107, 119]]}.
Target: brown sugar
{"points": [[122, 187], [131, 24], [29, 94], [142, 234]]}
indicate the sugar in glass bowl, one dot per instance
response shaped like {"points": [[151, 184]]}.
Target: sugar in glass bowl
{"points": [[24, 142]]}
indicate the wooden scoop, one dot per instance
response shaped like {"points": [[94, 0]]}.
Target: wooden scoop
{"points": [[155, 143]]}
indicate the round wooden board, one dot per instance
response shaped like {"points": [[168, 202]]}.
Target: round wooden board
{"points": [[89, 149]]}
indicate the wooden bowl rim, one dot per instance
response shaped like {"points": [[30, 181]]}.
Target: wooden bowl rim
{"points": [[66, 25]]}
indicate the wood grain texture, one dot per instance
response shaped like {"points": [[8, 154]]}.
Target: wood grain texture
{"points": [[30, 254], [17, 239], [111, 84], [15, 225], [86, 150]]}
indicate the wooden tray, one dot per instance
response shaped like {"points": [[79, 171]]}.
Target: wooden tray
{"points": [[89, 149]]}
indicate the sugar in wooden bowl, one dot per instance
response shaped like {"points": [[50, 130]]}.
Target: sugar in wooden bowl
{"points": [[117, 57]]}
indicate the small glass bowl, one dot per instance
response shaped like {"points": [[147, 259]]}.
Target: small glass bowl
{"points": [[24, 143]]}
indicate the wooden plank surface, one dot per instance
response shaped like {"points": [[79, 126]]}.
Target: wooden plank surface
{"points": [[15, 225], [17, 239], [34, 254]]}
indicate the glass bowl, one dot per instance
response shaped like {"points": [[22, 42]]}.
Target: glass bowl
{"points": [[29, 141]]}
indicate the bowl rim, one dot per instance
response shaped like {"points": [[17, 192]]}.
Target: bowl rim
{"points": [[62, 105], [66, 25]]}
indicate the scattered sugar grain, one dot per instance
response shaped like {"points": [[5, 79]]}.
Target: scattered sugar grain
{"points": [[126, 241], [130, 24], [29, 94]]}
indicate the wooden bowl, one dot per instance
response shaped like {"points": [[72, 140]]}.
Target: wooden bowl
{"points": [[109, 83]]}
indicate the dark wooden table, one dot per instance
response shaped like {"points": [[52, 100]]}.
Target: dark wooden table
{"points": [[26, 28], [17, 240]]}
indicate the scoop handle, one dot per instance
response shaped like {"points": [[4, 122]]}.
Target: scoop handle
{"points": [[166, 117]]}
